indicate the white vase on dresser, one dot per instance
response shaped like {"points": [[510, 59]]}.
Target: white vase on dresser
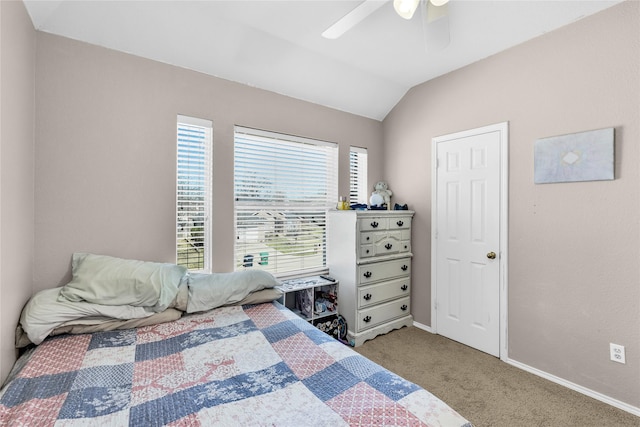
{"points": [[369, 252]]}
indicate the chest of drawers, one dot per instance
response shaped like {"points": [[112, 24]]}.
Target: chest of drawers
{"points": [[369, 252]]}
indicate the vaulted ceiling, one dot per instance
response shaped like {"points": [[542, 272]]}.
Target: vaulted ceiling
{"points": [[277, 45]]}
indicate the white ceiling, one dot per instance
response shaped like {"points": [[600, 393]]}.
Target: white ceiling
{"points": [[277, 45]]}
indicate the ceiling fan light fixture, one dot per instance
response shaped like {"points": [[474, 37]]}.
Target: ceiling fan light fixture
{"points": [[406, 8], [439, 2]]}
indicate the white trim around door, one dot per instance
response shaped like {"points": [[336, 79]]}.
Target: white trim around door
{"points": [[503, 131]]}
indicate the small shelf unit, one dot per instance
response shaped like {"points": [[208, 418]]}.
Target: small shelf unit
{"points": [[312, 298]]}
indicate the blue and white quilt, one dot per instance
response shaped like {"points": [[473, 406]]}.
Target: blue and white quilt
{"points": [[232, 366]]}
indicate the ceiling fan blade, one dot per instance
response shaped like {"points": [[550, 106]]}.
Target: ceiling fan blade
{"points": [[435, 26], [352, 18]]}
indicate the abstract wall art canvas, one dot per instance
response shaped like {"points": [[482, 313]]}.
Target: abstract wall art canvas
{"points": [[584, 156]]}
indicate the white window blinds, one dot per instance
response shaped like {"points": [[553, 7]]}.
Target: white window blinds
{"points": [[193, 193], [358, 191], [283, 187]]}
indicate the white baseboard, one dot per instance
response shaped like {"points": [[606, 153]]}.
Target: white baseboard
{"points": [[580, 389], [423, 327], [561, 381]]}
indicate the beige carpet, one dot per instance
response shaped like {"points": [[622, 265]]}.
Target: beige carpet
{"points": [[485, 390]]}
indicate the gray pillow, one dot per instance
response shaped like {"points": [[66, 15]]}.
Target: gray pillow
{"points": [[207, 291], [101, 279]]}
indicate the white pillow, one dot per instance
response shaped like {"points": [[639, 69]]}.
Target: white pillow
{"points": [[207, 291], [45, 311], [106, 280]]}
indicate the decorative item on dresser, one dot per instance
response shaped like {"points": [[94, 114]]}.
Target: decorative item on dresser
{"points": [[369, 252]]}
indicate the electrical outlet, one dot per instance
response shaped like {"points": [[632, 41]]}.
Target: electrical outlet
{"points": [[617, 352]]}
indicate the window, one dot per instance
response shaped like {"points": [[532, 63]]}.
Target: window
{"points": [[193, 193], [284, 186], [358, 191]]}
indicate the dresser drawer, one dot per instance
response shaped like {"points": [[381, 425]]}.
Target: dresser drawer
{"points": [[380, 223], [373, 224], [374, 294], [381, 243], [388, 243], [382, 313], [399, 223], [368, 238], [385, 270], [388, 247], [366, 251]]}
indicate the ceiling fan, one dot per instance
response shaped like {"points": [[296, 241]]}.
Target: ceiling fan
{"points": [[435, 20]]}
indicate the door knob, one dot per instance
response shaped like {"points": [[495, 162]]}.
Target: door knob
{"points": [[491, 255]]}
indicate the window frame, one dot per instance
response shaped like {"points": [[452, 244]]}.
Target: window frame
{"points": [[203, 163], [360, 175], [275, 204]]}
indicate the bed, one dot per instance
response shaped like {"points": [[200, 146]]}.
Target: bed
{"points": [[237, 364]]}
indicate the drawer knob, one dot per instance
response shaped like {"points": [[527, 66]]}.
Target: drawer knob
{"points": [[367, 250], [367, 274], [404, 267], [406, 246], [367, 297], [400, 223], [388, 246], [367, 319], [404, 287], [374, 224], [368, 238], [404, 307]]}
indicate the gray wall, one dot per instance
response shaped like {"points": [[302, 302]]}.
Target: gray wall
{"points": [[106, 151], [17, 66], [574, 251]]}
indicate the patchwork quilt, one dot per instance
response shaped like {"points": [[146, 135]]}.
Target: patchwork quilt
{"points": [[235, 366]]}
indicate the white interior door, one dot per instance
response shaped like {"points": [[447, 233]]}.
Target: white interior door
{"points": [[467, 231]]}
